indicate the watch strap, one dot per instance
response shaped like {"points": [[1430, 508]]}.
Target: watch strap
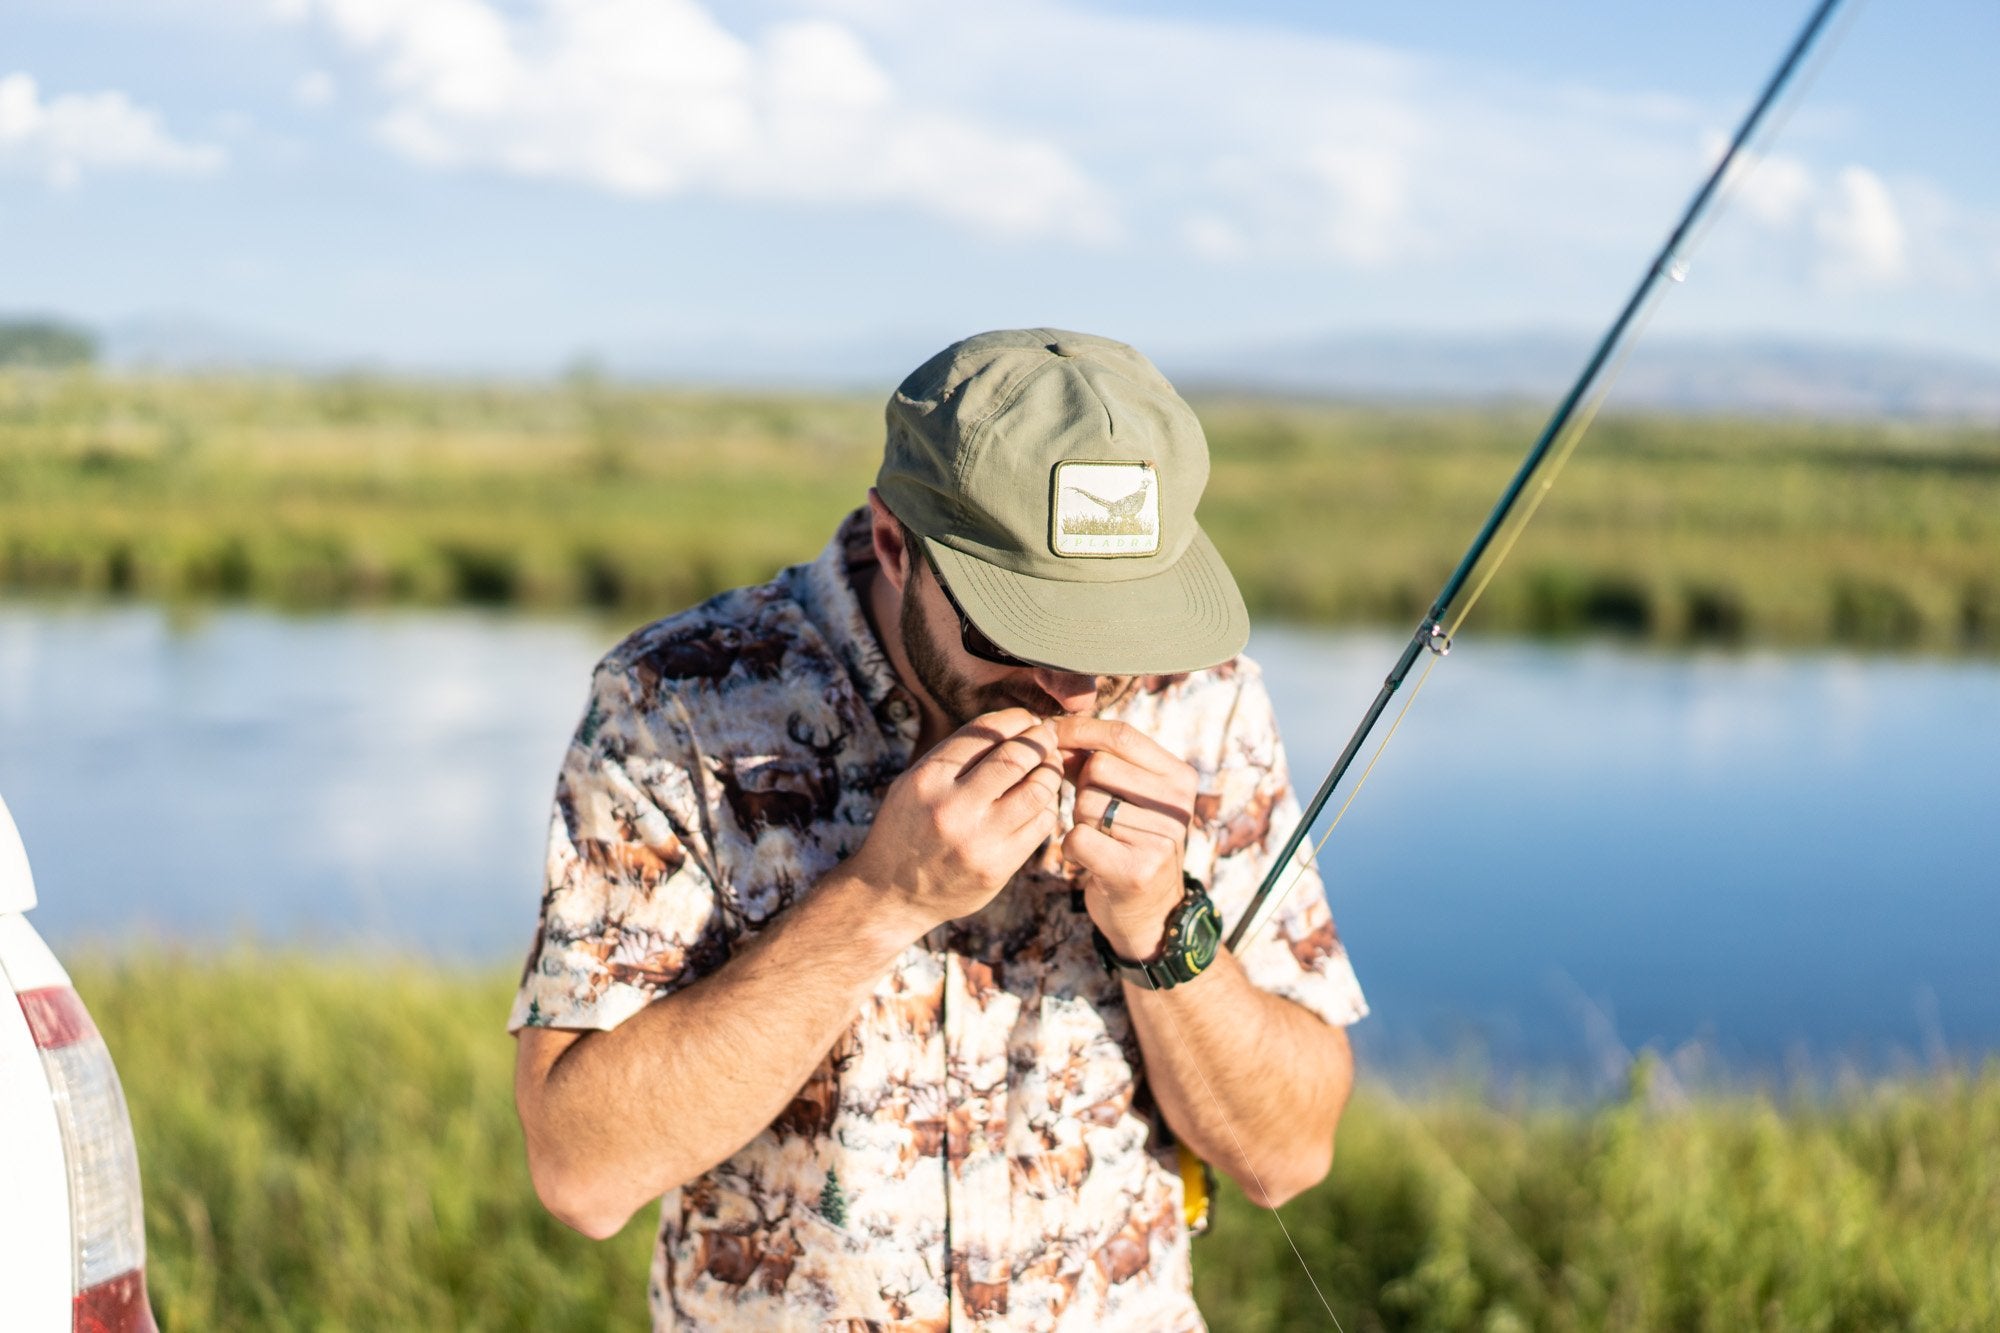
{"points": [[1170, 968]]}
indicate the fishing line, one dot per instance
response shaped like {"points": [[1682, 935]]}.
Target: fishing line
{"points": [[1757, 150], [1755, 153], [1166, 1012], [1544, 462], [1572, 436], [1492, 566], [1497, 537]]}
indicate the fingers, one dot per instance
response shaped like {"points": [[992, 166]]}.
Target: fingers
{"points": [[1018, 775], [977, 738], [1135, 818], [1096, 851], [1123, 761], [1117, 738], [1036, 793], [1111, 861], [1171, 794], [1041, 819], [1007, 763]]}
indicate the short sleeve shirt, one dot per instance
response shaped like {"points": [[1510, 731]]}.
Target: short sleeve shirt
{"points": [[978, 1150]]}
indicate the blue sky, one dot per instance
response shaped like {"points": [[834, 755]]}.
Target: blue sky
{"points": [[510, 183]]}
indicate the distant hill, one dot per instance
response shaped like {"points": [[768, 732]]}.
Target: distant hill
{"points": [[1763, 376], [1773, 376], [186, 343], [32, 341]]}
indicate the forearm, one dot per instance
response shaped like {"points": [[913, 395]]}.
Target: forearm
{"points": [[624, 1115], [1249, 1080]]}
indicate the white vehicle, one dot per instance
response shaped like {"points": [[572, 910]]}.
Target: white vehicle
{"points": [[72, 1231]]}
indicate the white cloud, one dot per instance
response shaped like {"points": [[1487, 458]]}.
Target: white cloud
{"points": [[1222, 141], [1775, 191], [1851, 219], [655, 97], [1213, 237], [1236, 141], [68, 136], [1949, 247], [1861, 232], [315, 88], [1241, 143]]}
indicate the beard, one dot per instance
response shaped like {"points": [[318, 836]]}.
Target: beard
{"points": [[963, 699]]}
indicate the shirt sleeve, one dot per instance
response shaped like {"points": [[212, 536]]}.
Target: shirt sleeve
{"points": [[1297, 952], [629, 904]]}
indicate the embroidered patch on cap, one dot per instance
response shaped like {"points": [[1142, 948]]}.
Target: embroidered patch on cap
{"points": [[1105, 509]]}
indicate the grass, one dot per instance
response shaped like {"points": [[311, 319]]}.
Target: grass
{"points": [[328, 1145], [348, 490]]}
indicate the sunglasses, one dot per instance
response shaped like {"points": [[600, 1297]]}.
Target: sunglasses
{"points": [[969, 635]]}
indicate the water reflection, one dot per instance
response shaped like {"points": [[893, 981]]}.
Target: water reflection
{"points": [[1568, 851], [1573, 850], [372, 780]]}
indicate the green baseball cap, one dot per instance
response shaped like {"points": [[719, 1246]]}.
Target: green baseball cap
{"points": [[1052, 477]]}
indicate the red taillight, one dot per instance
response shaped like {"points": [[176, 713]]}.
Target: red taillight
{"points": [[107, 1218], [57, 1017], [117, 1306]]}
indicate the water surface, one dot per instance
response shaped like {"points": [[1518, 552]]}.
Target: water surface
{"points": [[1568, 851]]}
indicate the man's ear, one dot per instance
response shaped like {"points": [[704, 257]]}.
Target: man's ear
{"points": [[892, 553]]}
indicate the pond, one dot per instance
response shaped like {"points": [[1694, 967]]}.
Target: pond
{"points": [[1749, 861]]}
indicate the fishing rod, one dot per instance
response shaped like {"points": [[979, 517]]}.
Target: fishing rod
{"points": [[1558, 438]]}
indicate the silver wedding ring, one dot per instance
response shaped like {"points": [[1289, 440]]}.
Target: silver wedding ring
{"points": [[1110, 813]]}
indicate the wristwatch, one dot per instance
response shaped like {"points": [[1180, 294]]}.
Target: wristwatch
{"points": [[1194, 933]]}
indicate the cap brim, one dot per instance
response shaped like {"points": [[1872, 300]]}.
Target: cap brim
{"points": [[1184, 618]]}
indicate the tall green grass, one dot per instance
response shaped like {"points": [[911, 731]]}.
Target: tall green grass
{"points": [[334, 1147], [642, 500], [330, 1146]]}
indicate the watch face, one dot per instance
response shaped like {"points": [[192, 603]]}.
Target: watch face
{"points": [[1204, 936]]}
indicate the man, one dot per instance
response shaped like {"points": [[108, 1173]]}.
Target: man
{"points": [[879, 939]]}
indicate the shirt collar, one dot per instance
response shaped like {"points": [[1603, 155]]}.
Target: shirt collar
{"points": [[830, 597]]}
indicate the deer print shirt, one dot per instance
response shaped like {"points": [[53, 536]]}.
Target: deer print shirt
{"points": [[979, 1150]]}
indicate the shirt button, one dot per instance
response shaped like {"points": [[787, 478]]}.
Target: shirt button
{"points": [[899, 709]]}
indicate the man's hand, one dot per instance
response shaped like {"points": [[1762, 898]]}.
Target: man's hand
{"points": [[961, 821], [1132, 873], [953, 829]]}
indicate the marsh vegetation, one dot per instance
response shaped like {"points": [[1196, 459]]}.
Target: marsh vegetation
{"points": [[330, 1144], [352, 491]]}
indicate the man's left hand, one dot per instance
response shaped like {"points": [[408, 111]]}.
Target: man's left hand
{"points": [[1132, 874]]}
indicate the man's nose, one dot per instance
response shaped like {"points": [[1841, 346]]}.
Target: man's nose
{"points": [[1076, 694]]}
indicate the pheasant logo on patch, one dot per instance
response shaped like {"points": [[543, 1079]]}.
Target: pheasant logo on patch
{"points": [[1105, 509]]}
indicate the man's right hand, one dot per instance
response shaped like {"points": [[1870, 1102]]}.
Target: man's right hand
{"points": [[609, 1123], [961, 821]]}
